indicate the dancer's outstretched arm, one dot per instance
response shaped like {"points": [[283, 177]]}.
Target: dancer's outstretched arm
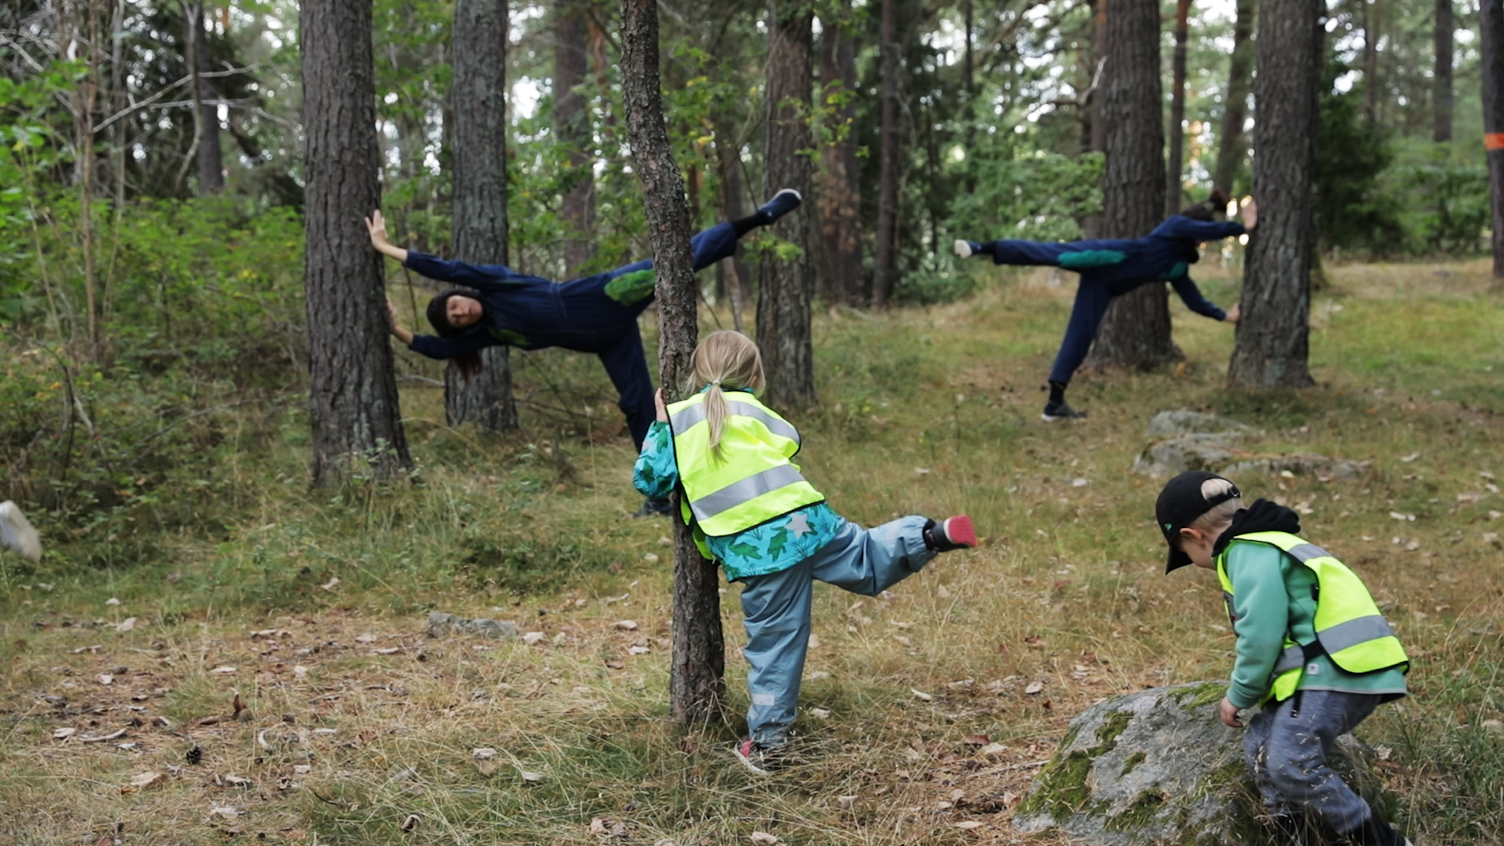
{"points": [[480, 277], [1191, 296]]}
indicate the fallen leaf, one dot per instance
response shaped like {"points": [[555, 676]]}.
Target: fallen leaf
{"points": [[366, 638], [1080, 483], [224, 671], [1492, 725], [638, 650], [1035, 641], [238, 704], [993, 750], [922, 471], [112, 601], [105, 678], [921, 695], [224, 812], [1409, 458], [651, 557], [819, 713], [411, 822], [615, 665], [763, 837], [300, 671], [846, 802], [89, 738], [625, 625], [237, 781], [482, 753], [1034, 687], [125, 625], [969, 825], [151, 778], [64, 733], [531, 638], [597, 826], [331, 584], [390, 650], [528, 775], [976, 740]]}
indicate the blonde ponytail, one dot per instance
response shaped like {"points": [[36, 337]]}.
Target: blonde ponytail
{"points": [[726, 360]]}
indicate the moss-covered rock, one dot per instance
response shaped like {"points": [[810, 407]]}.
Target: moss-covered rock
{"points": [[1159, 767]]}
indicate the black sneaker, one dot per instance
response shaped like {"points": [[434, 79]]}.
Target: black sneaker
{"points": [[951, 533], [782, 203], [655, 508], [757, 758], [1061, 411]]}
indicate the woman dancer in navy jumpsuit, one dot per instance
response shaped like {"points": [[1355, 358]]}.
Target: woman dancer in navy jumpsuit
{"points": [[593, 314], [1111, 268]]}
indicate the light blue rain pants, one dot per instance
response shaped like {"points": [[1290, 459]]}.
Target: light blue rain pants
{"points": [[776, 611]]}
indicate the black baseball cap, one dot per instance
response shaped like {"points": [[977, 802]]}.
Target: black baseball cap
{"points": [[1180, 503]]}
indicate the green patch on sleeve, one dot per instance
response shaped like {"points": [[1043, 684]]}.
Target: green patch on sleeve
{"points": [[1087, 259], [634, 287], [1177, 271], [507, 336]]}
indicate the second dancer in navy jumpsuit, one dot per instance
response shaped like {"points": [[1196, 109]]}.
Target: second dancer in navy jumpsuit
{"points": [[592, 314], [1111, 268]]}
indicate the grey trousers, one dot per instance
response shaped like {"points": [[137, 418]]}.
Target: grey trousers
{"points": [[776, 611], [1288, 751]]}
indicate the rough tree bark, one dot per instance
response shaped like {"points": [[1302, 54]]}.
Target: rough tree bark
{"points": [[1136, 331], [733, 277], [357, 426], [1491, 25], [885, 277], [840, 174], [1174, 187], [783, 297], [1272, 338], [1230, 146], [1091, 227], [479, 227], [696, 678], [1441, 79], [572, 128]]}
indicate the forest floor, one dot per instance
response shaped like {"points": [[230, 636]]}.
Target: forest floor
{"points": [[308, 608]]}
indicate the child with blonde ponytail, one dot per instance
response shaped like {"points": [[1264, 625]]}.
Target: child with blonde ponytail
{"points": [[729, 457]]}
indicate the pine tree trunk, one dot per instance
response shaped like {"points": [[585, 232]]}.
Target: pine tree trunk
{"points": [[572, 128], [1231, 147], [1441, 79], [1092, 226], [1136, 331], [783, 298], [1491, 25], [479, 226], [1272, 336], [211, 168], [1174, 186], [885, 277], [357, 426], [1370, 60], [733, 275], [840, 175], [696, 678]]}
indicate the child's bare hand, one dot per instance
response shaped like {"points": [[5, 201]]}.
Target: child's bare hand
{"points": [[1236, 314], [662, 409], [1230, 714]]}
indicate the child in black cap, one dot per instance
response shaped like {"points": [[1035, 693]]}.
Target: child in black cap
{"points": [[1314, 654]]}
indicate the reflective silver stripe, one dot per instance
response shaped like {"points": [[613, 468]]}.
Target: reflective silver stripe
{"points": [[686, 418], [1354, 632], [1290, 659], [1307, 552], [745, 490]]}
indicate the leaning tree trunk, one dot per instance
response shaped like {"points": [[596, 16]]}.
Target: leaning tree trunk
{"points": [[480, 196], [885, 276], [783, 298], [1230, 147], [209, 154], [1136, 331], [1441, 79], [840, 174], [1272, 336], [1174, 187], [572, 129], [1491, 24], [357, 424], [696, 678]]}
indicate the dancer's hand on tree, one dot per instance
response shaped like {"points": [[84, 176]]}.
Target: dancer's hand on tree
{"points": [[662, 409], [1235, 315], [1250, 214], [376, 226], [403, 335]]}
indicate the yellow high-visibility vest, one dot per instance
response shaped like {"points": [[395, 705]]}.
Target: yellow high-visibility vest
{"points": [[753, 483], [1349, 628]]}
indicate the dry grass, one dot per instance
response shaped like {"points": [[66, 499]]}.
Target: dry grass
{"points": [[925, 411]]}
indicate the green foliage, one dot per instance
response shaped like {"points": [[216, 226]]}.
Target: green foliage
{"points": [[1032, 195], [1351, 210]]}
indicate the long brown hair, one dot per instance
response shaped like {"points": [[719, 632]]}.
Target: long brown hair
{"points": [[1205, 211], [725, 360]]}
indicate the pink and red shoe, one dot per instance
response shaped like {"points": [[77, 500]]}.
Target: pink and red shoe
{"points": [[951, 533]]}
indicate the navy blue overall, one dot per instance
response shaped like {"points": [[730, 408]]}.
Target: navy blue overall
{"points": [[589, 314], [1111, 268]]}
